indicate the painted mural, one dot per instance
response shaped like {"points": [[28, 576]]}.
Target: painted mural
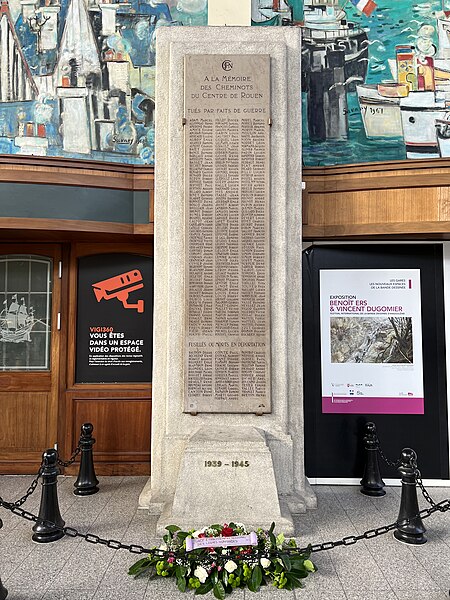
{"points": [[376, 78], [77, 76]]}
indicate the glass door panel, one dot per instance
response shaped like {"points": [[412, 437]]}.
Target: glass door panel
{"points": [[25, 317], [30, 353]]}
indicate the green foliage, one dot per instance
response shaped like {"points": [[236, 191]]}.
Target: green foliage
{"points": [[274, 560]]}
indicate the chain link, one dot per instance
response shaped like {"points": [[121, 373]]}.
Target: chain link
{"points": [[442, 506], [30, 489], [385, 458], [419, 482], [418, 476], [71, 460]]}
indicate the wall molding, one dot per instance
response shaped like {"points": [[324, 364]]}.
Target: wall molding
{"points": [[77, 173], [398, 199]]}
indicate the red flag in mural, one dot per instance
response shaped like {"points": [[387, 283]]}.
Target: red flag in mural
{"points": [[365, 6]]}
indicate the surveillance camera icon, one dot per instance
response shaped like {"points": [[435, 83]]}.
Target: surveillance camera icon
{"points": [[120, 287]]}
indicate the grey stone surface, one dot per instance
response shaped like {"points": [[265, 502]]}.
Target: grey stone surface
{"points": [[171, 428], [72, 569], [209, 493]]}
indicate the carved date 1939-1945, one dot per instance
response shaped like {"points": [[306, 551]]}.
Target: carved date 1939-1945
{"points": [[233, 463]]}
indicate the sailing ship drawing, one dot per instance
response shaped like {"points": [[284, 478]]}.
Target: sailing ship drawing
{"points": [[16, 321]]}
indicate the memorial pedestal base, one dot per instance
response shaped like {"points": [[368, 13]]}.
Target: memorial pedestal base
{"points": [[225, 458], [226, 475]]}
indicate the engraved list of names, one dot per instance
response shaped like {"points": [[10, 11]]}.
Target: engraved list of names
{"points": [[227, 292]]}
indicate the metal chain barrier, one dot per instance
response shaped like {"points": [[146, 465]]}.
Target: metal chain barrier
{"points": [[391, 463], [442, 507], [30, 489], [71, 532], [419, 482], [71, 460]]}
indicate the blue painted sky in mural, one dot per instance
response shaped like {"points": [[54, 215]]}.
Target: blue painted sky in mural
{"points": [[80, 80]]}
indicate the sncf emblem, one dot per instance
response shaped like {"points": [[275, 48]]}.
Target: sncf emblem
{"points": [[119, 287]]}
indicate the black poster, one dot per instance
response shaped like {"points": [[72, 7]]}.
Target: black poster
{"points": [[114, 319]]}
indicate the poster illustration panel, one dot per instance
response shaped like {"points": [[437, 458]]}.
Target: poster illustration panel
{"points": [[114, 319], [371, 341]]}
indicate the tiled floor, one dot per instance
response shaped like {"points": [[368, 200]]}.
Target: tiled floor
{"points": [[71, 569]]}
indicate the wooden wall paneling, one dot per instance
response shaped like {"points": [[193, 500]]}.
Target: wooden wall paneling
{"points": [[65, 343], [444, 203], [23, 426], [122, 430], [29, 399], [52, 410], [403, 198], [71, 172]]}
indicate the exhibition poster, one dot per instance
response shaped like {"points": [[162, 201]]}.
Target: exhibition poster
{"points": [[371, 341]]}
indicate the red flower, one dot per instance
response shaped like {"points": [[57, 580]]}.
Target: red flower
{"points": [[226, 532], [201, 535]]}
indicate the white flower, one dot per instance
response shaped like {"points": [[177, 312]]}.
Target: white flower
{"points": [[230, 566], [201, 573], [265, 562], [163, 546]]}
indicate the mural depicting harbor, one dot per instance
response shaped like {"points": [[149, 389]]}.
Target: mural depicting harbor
{"points": [[400, 108], [77, 76], [376, 78]]}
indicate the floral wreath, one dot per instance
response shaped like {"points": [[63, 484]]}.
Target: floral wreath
{"points": [[204, 567]]}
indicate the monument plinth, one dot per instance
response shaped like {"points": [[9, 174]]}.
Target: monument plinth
{"points": [[227, 431]]}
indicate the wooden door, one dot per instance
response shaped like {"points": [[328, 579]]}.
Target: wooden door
{"points": [[30, 296], [119, 405]]}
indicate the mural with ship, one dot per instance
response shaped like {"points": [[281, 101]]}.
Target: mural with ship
{"points": [[77, 76], [376, 77]]}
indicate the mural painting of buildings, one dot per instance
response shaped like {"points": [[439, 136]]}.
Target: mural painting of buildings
{"points": [[77, 76]]}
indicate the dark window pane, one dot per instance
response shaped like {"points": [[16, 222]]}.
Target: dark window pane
{"points": [[2, 275], [18, 275], [40, 276]]}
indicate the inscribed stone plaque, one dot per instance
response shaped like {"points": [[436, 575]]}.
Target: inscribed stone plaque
{"points": [[227, 290]]}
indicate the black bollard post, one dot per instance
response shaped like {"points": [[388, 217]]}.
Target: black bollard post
{"points": [[411, 532], [3, 590], [86, 483], [372, 484], [49, 508]]}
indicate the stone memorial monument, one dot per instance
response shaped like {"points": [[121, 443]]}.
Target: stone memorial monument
{"points": [[227, 429]]}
